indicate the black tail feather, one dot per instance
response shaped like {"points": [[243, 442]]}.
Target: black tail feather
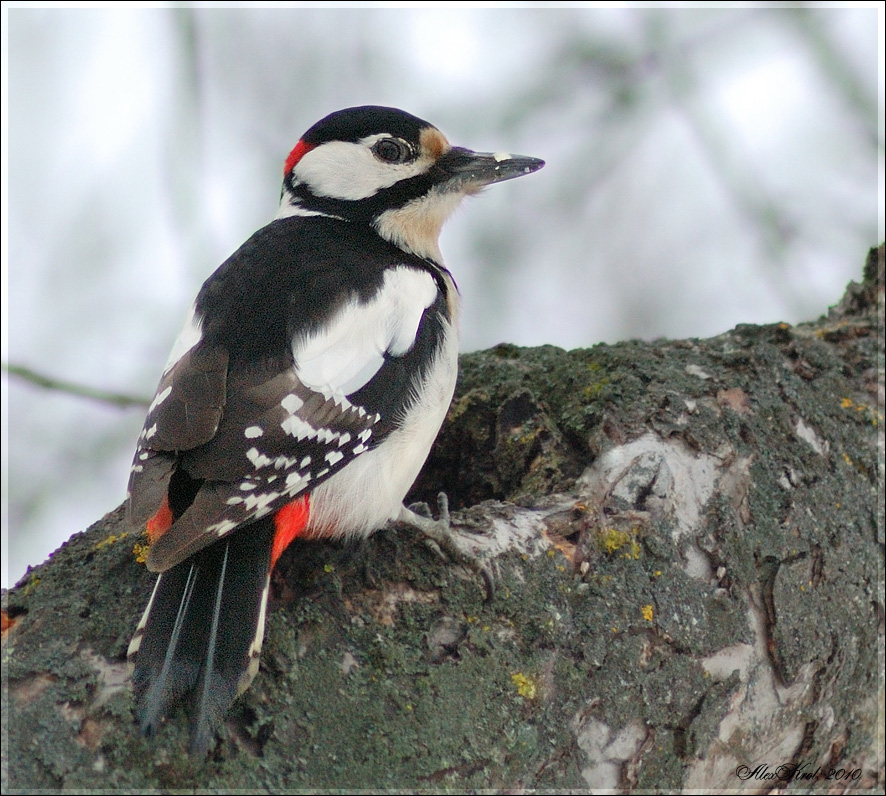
{"points": [[201, 635]]}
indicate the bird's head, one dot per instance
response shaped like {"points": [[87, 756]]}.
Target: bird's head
{"points": [[390, 170]]}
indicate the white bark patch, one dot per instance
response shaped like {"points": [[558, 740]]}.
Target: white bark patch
{"points": [[807, 434], [679, 481], [667, 479], [606, 751]]}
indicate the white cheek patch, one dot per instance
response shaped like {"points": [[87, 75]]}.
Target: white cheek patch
{"points": [[348, 352], [342, 170], [188, 337]]}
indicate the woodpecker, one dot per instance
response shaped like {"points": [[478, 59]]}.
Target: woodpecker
{"points": [[301, 398]]}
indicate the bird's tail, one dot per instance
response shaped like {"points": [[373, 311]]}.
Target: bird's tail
{"points": [[200, 636]]}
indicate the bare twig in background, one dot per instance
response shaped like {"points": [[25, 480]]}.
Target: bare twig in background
{"points": [[80, 390]]}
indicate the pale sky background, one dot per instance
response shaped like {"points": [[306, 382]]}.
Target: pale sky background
{"points": [[706, 167]]}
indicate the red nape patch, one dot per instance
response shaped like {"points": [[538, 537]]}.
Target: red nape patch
{"points": [[160, 522], [300, 150], [289, 523]]}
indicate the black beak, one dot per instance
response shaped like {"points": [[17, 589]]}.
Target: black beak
{"points": [[475, 169]]}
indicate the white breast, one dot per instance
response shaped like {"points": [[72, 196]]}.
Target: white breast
{"points": [[370, 490]]}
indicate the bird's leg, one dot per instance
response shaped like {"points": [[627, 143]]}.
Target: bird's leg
{"points": [[441, 533]]}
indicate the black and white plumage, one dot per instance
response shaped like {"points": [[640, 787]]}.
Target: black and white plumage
{"points": [[302, 397]]}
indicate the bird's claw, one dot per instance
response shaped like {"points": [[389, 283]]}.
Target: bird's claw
{"points": [[441, 533]]}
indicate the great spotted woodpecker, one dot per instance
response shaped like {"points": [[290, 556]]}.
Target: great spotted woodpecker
{"points": [[302, 396]]}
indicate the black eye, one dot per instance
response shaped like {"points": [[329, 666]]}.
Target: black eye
{"points": [[392, 150]]}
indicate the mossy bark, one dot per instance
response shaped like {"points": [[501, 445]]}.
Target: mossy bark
{"points": [[688, 545]]}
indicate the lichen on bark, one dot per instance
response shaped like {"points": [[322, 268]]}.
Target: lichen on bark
{"points": [[688, 545]]}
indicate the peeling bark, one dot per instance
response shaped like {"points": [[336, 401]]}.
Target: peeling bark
{"points": [[688, 544]]}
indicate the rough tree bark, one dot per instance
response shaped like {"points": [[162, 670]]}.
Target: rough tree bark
{"points": [[688, 540]]}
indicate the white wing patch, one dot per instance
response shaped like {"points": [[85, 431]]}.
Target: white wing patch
{"points": [[348, 352], [188, 337]]}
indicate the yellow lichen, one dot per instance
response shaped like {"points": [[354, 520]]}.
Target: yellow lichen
{"points": [[527, 687], [875, 415], [141, 552], [613, 540], [647, 612], [109, 540]]}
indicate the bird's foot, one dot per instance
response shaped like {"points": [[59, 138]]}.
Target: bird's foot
{"points": [[445, 539]]}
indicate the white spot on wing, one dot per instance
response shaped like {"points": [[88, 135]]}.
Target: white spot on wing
{"points": [[298, 428], [334, 456], [283, 463], [160, 398], [260, 504], [325, 435], [221, 528], [500, 156], [292, 403], [252, 432], [258, 460], [295, 481]]}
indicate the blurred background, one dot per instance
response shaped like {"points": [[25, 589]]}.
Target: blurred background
{"points": [[705, 167]]}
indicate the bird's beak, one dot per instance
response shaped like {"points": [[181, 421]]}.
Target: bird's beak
{"points": [[472, 170]]}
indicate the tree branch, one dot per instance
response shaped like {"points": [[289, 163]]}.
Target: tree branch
{"points": [[80, 390]]}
